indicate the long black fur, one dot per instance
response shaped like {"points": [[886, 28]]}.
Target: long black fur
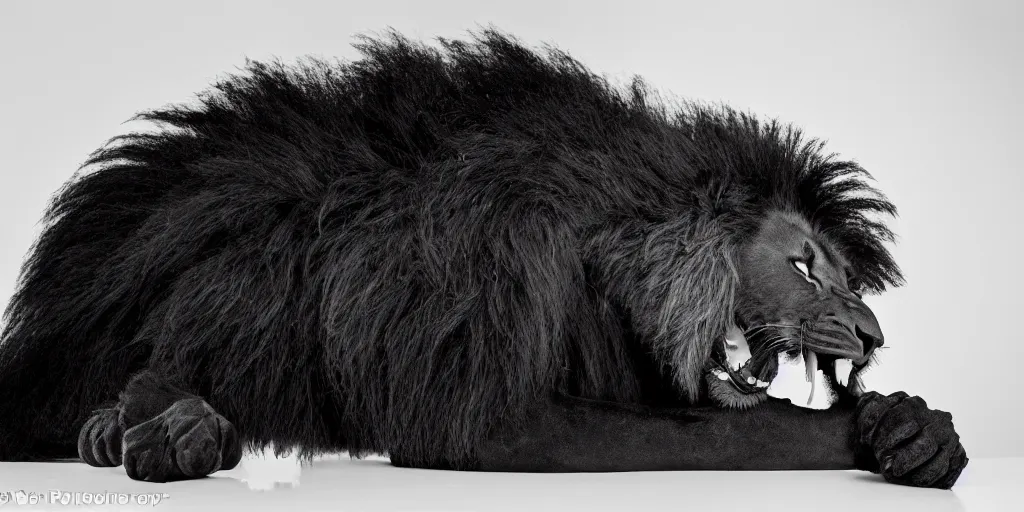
{"points": [[397, 254]]}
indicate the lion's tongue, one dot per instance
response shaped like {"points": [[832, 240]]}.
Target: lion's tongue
{"points": [[797, 380]]}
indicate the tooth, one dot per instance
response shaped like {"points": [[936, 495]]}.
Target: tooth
{"points": [[751, 380], [843, 368], [789, 381], [811, 360], [723, 376], [761, 383]]}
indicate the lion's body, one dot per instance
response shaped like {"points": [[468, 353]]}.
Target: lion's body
{"points": [[398, 254]]}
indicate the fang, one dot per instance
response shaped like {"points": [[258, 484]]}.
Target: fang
{"points": [[843, 368]]}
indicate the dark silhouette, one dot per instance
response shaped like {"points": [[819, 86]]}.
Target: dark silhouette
{"points": [[476, 257]]}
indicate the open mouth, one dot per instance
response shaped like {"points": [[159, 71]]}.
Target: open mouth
{"points": [[744, 372]]}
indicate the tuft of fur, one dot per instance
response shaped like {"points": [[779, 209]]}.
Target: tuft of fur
{"points": [[396, 254]]}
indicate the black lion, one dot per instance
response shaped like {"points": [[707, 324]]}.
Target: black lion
{"points": [[474, 257]]}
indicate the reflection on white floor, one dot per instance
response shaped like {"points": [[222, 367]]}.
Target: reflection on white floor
{"points": [[262, 482]]}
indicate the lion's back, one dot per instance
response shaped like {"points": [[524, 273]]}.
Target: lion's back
{"points": [[382, 247]]}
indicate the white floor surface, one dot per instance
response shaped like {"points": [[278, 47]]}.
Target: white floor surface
{"points": [[339, 483]]}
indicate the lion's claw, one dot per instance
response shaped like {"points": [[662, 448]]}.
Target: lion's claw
{"points": [[909, 443], [99, 441], [188, 440]]}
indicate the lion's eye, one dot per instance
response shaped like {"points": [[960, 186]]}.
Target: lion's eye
{"points": [[855, 287], [802, 267]]}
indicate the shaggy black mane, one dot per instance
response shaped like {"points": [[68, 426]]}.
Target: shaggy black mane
{"points": [[393, 254]]}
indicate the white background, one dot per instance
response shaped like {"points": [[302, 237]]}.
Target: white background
{"points": [[925, 95]]}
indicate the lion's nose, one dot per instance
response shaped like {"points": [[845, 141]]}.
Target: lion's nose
{"points": [[866, 327], [858, 318], [870, 341]]}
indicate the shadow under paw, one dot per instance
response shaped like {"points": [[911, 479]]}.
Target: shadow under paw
{"points": [[188, 440]]}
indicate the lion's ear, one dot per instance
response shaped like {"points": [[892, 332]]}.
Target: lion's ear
{"points": [[677, 282]]}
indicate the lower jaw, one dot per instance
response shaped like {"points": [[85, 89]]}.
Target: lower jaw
{"points": [[727, 394], [724, 394]]}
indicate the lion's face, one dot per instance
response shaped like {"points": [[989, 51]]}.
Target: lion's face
{"points": [[796, 297]]}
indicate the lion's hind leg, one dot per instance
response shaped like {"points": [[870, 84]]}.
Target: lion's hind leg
{"points": [[160, 433]]}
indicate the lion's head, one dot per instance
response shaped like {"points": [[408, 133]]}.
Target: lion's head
{"points": [[782, 241], [797, 296], [765, 251]]}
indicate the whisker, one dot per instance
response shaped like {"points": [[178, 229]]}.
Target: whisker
{"points": [[781, 325], [756, 329], [774, 345], [764, 350], [771, 341], [759, 328]]}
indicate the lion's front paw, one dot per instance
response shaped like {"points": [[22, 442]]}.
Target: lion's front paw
{"points": [[99, 441], [188, 440], [910, 443]]}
